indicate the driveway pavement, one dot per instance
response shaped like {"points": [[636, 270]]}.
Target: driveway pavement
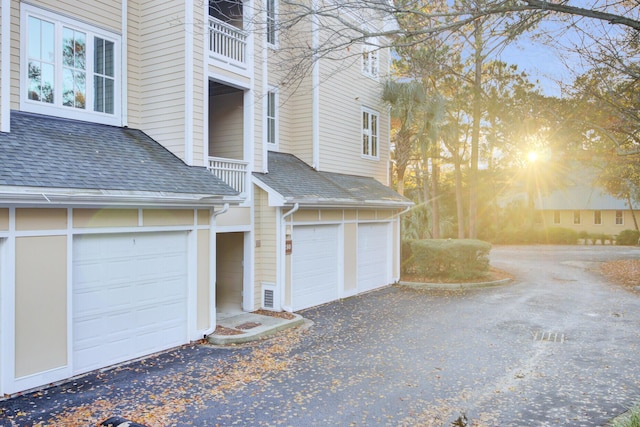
{"points": [[559, 346]]}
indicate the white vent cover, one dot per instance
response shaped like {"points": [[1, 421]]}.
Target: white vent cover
{"points": [[270, 297]]}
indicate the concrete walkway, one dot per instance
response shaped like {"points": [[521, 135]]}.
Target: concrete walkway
{"points": [[246, 327]]}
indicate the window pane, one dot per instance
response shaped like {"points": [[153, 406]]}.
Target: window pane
{"points": [[271, 21], [73, 88], [48, 41], [67, 47], [109, 95], [109, 58], [104, 87], [74, 48], [35, 38], [48, 72], [98, 56], [40, 65]]}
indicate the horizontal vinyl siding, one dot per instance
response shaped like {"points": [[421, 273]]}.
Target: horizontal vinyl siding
{"points": [[297, 121], [133, 66], [2, 65], [15, 55], [106, 14], [226, 134], [344, 91], [162, 73], [199, 91]]}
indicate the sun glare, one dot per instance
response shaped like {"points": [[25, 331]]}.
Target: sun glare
{"points": [[532, 156]]}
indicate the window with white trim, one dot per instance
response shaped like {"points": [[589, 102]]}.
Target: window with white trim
{"points": [[370, 59], [556, 217], [597, 217], [70, 68], [271, 21], [576, 217], [271, 118], [370, 120], [619, 218]]}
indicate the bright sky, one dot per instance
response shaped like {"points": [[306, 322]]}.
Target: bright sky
{"points": [[543, 63]]}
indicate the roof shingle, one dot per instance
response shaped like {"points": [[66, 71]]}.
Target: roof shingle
{"points": [[43, 151], [298, 182]]}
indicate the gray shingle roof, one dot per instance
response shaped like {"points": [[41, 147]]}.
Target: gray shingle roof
{"points": [[43, 151], [580, 197], [297, 182]]}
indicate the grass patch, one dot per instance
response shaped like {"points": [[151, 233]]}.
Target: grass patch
{"points": [[629, 419]]}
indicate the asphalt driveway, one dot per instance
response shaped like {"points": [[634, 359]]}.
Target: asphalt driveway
{"points": [[559, 346]]}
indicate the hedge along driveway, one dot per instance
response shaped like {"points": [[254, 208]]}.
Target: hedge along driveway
{"points": [[405, 357]]}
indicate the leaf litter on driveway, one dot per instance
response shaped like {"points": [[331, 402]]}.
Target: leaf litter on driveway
{"points": [[396, 357]]}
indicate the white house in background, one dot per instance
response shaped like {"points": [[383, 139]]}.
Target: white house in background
{"points": [[152, 176]]}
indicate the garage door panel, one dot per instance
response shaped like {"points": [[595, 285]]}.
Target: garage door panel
{"points": [[315, 266], [373, 252], [129, 297]]}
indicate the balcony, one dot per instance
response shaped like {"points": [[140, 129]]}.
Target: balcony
{"points": [[232, 172], [227, 43]]}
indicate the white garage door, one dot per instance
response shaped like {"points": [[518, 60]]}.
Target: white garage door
{"points": [[373, 256], [129, 296], [315, 265]]}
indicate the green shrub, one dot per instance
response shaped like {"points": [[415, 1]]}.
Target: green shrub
{"points": [[559, 236], [628, 237], [454, 259]]}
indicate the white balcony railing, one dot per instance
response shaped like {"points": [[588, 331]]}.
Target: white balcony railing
{"points": [[232, 172], [227, 41]]}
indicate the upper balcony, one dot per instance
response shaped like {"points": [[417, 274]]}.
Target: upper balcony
{"points": [[227, 41], [235, 173]]}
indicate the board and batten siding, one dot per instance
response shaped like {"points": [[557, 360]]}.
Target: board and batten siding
{"points": [[266, 253]]}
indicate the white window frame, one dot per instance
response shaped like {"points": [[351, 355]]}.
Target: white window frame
{"points": [[268, 118], [577, 217], [557, 214], [620, 218], [56, 108], [371, 58], [366, 133], [597, 217], [271, 23]]}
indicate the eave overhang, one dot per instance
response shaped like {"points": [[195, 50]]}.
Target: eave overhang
{"points": [[40, 196]]}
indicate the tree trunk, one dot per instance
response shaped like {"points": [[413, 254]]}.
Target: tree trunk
{"points": [[459, 196], [435, 209], [475, 133], [400, 184], [633, 213]]}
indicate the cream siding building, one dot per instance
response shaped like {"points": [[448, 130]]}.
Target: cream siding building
{"points": [[158, 170]]}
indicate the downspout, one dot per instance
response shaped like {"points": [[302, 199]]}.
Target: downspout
{"points": [[213, 268], [291, 211], [282, 261]]}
